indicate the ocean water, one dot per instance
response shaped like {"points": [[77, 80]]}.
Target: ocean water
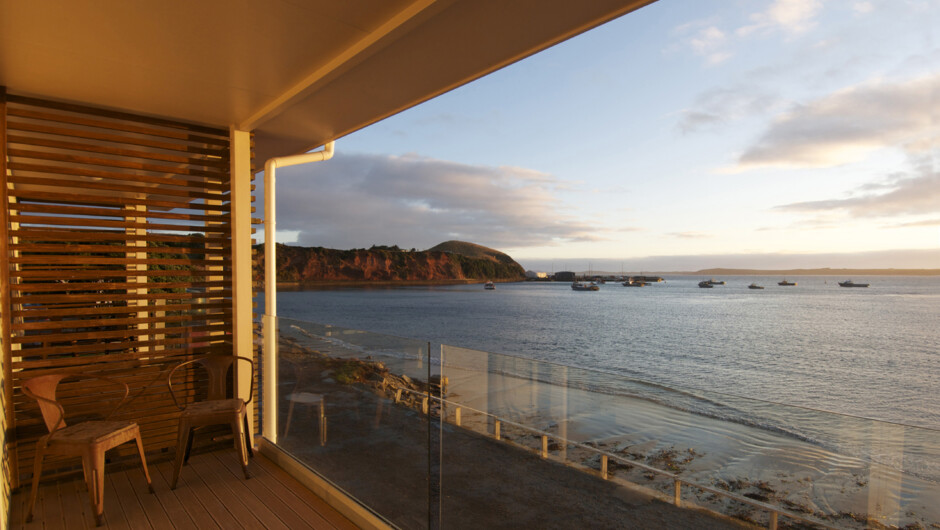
{"points": [[872, 353], [778, 385]]}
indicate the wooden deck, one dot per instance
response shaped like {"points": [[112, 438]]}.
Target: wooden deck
{"points": [[212, 493]]}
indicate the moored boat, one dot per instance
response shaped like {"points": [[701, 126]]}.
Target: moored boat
{"points": [[755, 286], [705, 284], [633, 283], [581, 286], [786, 283], [850, 283], [489, 286]]}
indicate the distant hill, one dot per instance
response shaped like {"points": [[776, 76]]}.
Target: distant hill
{"points": [[472, 250], [459, 262]]}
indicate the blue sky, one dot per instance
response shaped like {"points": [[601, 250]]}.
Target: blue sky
{"points": [[688, 134]]}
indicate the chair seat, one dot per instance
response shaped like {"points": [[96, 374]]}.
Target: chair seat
{"points": [[95, 432], [213, 408], [306, 398]]}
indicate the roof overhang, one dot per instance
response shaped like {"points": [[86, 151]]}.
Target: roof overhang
{"points": [[297, 73]]}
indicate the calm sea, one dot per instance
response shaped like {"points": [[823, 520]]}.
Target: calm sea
{"points": [[872, 352]]}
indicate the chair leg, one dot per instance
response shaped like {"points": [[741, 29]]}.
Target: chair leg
{"points": [[290, 414], [189, 445], [143, 460], [184, 434], [37, 472], [248, 443], [97, 466], [240, 445]]}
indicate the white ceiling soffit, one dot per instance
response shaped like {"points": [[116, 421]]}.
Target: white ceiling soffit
{"points": [[297, 72]]}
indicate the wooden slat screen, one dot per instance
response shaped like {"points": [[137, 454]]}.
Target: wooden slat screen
{"points": [[119, 258]]}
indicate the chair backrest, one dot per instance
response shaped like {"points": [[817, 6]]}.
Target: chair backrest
{"points": [[217, 366], [301, 373], [42, 389]]}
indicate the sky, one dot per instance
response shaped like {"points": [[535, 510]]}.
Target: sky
{"points": [[686, 135]]}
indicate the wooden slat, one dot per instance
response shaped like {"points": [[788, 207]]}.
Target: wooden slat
{"points": [[181, 346], [184, 181], [35, 141], [129, 333], [104, 200], [61, 234], [117, 138], [49, 208], [109, 162], [43, 313], [117, 115], [88, 184], [95, 260], [221, 227], [86, 354], [54, 117], [57, 324]]}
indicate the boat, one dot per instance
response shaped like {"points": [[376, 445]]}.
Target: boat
{"points": [[755, 286], [633, 283], [581, 286], [786, 283], [705, 284], [489, 286], [850, 283], [713, 281]]}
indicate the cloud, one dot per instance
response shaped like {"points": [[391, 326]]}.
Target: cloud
{"points": [[863, 8], [916, 224], [718, 106], [900, 195], [357, 200], [705, 39], [690, 235], [847, 125], [881, 259], [792, 16]]}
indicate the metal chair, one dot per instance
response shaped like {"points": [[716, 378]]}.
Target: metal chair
{"points": [[88, 439], [299, 396], [217, 409]]}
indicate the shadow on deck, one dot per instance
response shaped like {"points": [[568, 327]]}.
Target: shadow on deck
{"points": [[212, 493]]}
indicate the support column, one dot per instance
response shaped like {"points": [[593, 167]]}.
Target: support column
{"points": [[242, 311]]}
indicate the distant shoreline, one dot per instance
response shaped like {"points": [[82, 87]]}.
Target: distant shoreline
{"points": [[369, 283], [810, 272]]}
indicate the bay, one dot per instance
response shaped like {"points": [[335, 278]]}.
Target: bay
{"points": [[872, 352]]}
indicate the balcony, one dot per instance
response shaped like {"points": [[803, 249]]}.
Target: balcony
{"points": [[212, 493]]}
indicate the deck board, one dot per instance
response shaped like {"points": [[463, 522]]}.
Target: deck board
{"points": [[212, 493]]}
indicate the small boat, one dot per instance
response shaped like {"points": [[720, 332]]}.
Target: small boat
{"points": [[489, 286], [705, 284], [633, 283], [850, 283], [581, 286], [716, 282], [755, 286], [785, 283]]}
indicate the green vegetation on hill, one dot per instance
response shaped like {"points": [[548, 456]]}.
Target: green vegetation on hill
{"points": [[388, 263], [472, 250]]}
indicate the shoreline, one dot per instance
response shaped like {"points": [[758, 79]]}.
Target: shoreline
{"points": [[794, 474]]}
